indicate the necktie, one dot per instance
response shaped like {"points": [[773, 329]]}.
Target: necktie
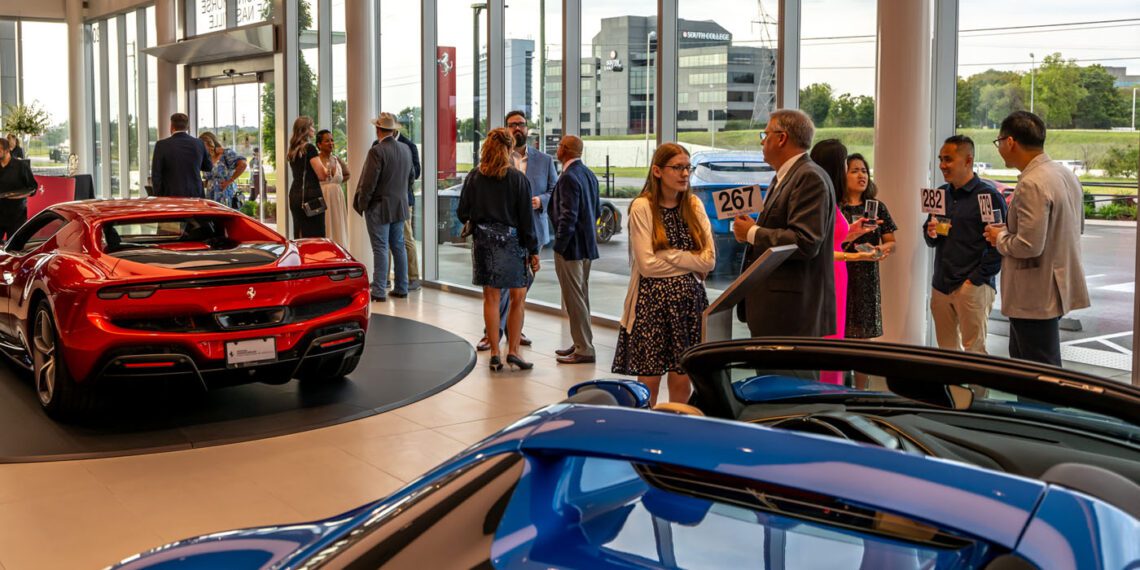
{"points": [[772, 187]]}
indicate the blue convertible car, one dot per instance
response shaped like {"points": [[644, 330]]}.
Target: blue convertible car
{"points": [[928, 460]]}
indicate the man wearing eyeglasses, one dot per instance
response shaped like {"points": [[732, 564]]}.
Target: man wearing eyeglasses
{"points": [[798, 299], [1041, 273], [539, 170]]}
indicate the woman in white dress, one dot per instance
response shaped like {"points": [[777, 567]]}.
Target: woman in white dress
{"points": [[336, 207]]}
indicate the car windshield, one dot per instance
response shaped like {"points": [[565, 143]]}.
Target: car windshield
{"points": [[866, 389]]}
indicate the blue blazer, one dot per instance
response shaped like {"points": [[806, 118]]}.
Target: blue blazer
{"points": [[178, 163], [540, 173], [574, 208]]}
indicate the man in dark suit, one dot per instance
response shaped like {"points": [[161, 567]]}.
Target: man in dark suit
{"points": [[179, 161], [573, 210], [382, 197], [798, 299], [16, 184]]}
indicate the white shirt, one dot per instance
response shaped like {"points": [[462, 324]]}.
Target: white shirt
{"points": [[781, 174]]}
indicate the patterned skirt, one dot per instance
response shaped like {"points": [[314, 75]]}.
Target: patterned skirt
{"points": [[497, 259], [667, 321]]}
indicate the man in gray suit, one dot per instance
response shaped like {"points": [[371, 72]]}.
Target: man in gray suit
{"points": [[798, 299], [1041, 274], [382, 197]]}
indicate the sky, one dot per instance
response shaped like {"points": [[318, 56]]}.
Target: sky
{"points": [[838, 47]]}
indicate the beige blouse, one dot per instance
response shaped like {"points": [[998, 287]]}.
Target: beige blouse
{"points": [[665, 262]]}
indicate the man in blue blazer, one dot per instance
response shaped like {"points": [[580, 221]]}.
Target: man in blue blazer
{"points": [[539, 170], [574, 209], [179, 161]]}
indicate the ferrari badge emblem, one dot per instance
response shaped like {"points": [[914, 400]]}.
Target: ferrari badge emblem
{"points": [[251, 293]]}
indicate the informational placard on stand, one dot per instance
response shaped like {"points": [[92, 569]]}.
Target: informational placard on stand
{"points": [[718, 316]]}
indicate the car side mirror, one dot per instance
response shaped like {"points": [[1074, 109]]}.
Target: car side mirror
{"points": [[948, 396]]}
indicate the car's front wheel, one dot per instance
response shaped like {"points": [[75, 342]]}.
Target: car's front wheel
{"points": [[59, 394]]}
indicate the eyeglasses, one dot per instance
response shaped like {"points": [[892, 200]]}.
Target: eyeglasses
{"points": [[516, 124], [997, 141], [765, 134], [680, 168]]}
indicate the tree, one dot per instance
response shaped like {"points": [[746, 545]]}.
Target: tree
{"points": [[1058, 91], [412, 119], [1102, 103], [815, 100], [976, 107], [1121, 161], [966, 102]]}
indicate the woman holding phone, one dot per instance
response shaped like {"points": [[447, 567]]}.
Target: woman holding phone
{"points": [[864, 300]]}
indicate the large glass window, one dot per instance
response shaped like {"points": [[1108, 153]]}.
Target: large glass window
{"points": [[45, 53], [400, 93], [460, 66], [1079, 73], [837, 72]]}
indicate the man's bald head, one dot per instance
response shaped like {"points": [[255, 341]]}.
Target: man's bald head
{"points": [[569, 148]]}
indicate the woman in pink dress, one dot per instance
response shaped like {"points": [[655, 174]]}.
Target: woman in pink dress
{"points": [[831, 155]]}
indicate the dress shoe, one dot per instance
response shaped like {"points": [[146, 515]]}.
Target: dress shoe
{"points": [[515, 361], [576, 359], [525, 341], [565, 351], [484, 345], [414, 285], [398, 295], [496, 364], [379, 299]]}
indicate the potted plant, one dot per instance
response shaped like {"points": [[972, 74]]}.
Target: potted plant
{"points": [[25, 121]]}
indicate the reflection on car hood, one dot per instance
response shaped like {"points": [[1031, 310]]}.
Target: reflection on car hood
{"points": [[243, 256]]}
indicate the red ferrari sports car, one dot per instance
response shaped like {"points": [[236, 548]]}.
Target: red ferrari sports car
{"points": [[100, 291]]}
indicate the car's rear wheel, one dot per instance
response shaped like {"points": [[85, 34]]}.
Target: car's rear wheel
{"points": [[607, 224], [59, 394]]}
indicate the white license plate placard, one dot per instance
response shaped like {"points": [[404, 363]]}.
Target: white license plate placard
{"points": [[243, 352]]}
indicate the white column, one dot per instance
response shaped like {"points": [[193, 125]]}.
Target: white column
{"points": [[665, 96], [496, 64], [571, 67], [361, 104], [165, 21], [79, 85], [788, 55], [903, 159], [429, 155]]}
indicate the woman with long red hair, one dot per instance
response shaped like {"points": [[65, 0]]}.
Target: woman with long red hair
{"points": [[671, 252], [495, 202]]}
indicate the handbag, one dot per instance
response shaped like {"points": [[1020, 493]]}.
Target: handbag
{"points": [[315, 206]]}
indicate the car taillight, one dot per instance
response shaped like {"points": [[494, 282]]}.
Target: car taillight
{"points": [[341, 274], [137, 292]]}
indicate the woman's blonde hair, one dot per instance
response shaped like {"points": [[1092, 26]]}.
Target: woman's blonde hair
{"points": [[210, 140], [300, 138], [652, 192], [495, 158]]}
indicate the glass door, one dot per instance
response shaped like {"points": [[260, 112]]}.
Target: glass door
{"points": [[231, 107]]}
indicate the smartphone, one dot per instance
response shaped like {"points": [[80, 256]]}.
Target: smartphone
{"points": [[997, 216], [871, 212]]}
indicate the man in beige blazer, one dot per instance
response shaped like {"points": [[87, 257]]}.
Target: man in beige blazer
{"points": [[1041, 274]]}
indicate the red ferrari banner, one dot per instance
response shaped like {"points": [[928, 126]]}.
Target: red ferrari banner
{"points": [[445, 108], [53, 190]]}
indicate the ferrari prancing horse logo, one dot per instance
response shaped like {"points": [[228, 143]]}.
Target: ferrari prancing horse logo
{"points": [[251, 293]]}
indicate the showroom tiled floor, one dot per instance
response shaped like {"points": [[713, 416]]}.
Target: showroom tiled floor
{"points": [[90, 513]]}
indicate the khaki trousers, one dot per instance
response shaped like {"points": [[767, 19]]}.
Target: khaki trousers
{"points": [[961, 318], [574, 280], [410, 247]]}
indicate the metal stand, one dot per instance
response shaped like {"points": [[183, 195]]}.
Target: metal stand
{"points": [[717, 319]]}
